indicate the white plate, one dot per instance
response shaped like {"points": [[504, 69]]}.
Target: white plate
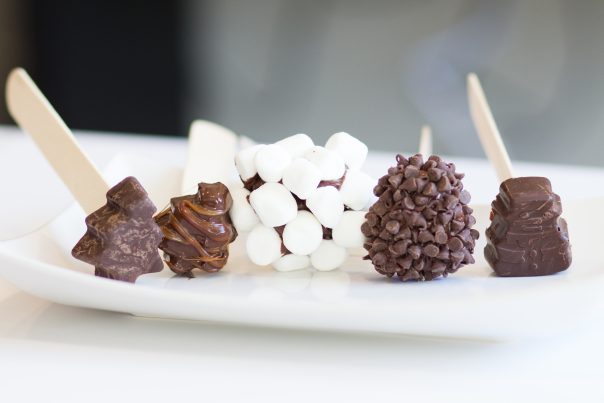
{"points": [[471, 303]]}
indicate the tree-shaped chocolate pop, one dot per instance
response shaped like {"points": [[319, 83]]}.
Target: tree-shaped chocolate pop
{"points": [[122, 238], [527, 236]]}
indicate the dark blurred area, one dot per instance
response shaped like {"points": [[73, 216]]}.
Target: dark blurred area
{"points": [[104, 65], [271, 68]]}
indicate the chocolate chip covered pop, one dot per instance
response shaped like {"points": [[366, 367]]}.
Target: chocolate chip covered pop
{"points": [[420, 228], [527, 236], [122, 238]]}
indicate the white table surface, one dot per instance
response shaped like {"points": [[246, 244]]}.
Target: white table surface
{"points": [[50, 352]]}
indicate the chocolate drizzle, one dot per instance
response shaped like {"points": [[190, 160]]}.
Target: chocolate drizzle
{"points": [[197, 230]]}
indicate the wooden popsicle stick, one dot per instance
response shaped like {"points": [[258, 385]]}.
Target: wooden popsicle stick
{"points": [[425, 141], [36, 116], [211, 155], [487, 129]]}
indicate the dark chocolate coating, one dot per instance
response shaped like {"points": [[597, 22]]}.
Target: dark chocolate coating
{"points": [[421, 226], [122, 238], [527, 236], [197, 230]]}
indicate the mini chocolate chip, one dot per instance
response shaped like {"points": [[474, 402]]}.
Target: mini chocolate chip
{"points": [[455, 244], [440, 237], [409, 185], [421, 200], [372, 219], [385, 235], [445, 217], [435, 174], [410, 275], [399, 248], [378, 190], [395, 180], [464, 197], [425, 236], [379, 208], [411, 171], [451, 201], [431, 250], [404, 233], [457, 226], [366, 228], [393, 226], [417, 160], [405, 262], [438, 267], [408, 203], [429, 214], [379, 259], [401, 160], [414, 251], [398, 195], [430, 189], [444, 185]]}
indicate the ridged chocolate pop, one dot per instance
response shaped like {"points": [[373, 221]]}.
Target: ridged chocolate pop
{"points": [[421, 226], [197, 230]]}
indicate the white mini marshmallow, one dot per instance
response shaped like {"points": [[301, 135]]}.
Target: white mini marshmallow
{"points": [[242, 214], [291, 262], [296, 145], [328, 256], [303, 234], [263, 245], [348, 233], [244, 161], [351, 149], [274, 204], [329, 163], [326, 204], [270, 162], [357, 189], [301, 177]]}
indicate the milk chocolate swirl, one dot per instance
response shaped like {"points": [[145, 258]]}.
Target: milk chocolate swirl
{"points": [[197, 230]]}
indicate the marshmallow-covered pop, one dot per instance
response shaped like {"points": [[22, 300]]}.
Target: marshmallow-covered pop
{"points": [[304, 204]]}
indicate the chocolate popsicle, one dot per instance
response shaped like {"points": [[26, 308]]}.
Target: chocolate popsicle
{"points": [[122, 238], [197, 230], [527, 236]]}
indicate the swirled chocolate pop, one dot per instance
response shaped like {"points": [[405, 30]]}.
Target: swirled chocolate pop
{"points": [[421, 226], [527, 236], [122, 238], [197, 230]]}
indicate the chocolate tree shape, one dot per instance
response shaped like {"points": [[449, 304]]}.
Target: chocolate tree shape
{"points": [[197, 230], [421, 226], [122, 238], [527, 236]]}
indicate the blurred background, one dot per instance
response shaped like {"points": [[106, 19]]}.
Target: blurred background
{"points": [[271, 68]]}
